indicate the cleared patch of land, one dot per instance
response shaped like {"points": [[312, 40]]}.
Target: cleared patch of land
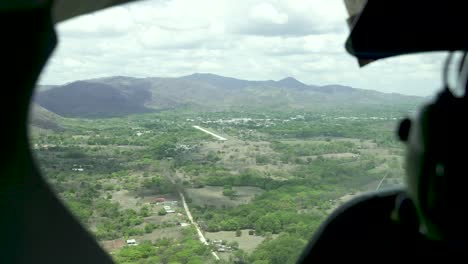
{"points": [[125, 199], [168, 232], [246, 242], [213, 195]]}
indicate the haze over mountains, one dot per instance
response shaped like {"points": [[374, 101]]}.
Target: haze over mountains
{"points": [[119, 96]]}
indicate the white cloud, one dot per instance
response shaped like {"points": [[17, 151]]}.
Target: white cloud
{"points": [[266, 13], [243, 39]]}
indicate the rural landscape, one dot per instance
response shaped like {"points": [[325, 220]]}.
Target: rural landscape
{"points": [[211, 169]]}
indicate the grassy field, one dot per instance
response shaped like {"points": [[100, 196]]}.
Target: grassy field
{"points": [[168, 232], [213, 195], [236, 153], [126, 199]]}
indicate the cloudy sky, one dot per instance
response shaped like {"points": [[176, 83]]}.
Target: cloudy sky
{"points": [[255, 40]]}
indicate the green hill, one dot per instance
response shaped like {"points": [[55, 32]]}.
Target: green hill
{"points": [[119, 96], [45, 119]]}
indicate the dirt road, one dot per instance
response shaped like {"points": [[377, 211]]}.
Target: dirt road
{"points": [[200, 234]]}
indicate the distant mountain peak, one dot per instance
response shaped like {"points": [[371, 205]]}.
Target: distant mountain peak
{"points": [[289, 79], [291, 82], [202, 74]]}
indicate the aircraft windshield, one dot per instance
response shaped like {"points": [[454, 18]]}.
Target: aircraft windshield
{"points": [[195, 131]]}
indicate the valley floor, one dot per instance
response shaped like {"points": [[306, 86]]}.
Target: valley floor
{"points": [[197, 187]]}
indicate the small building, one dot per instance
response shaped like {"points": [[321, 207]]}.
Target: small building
{"points": [[184, 224], [222, 248], [168, 209], [132, 242]]}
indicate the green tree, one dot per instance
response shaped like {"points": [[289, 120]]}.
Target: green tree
{"points": [[149, 228], [241, 257], [229, 192], [145, 211], [285, 249], [162, 212], [268, 223], [134, 253]]}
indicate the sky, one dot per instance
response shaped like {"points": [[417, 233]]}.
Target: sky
{"points": [[253, 40]]}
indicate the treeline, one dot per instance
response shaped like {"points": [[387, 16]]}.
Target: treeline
{"points": [[312, 149], [157, 185], [324, 128], [352, 175], [214, 175], [59, 159], [348, 173]]}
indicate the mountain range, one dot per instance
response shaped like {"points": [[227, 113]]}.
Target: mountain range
{"points": [[119, 96]]}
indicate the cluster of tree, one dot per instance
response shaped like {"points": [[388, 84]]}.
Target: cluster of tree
{"points": [[285, 249], [274, 211], [295, 206], [60, 159], [220, 176], [187, 250], [335, 173], [329, 127], [79, 198], [311, 149], [164, 147], [158, 185], [115, 222], [229, 192]]}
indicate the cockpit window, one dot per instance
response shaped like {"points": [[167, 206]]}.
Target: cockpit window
{"points": [[197, 131]]}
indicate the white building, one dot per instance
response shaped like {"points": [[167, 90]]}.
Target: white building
{"points": [[132, 242], [168, 209]]}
